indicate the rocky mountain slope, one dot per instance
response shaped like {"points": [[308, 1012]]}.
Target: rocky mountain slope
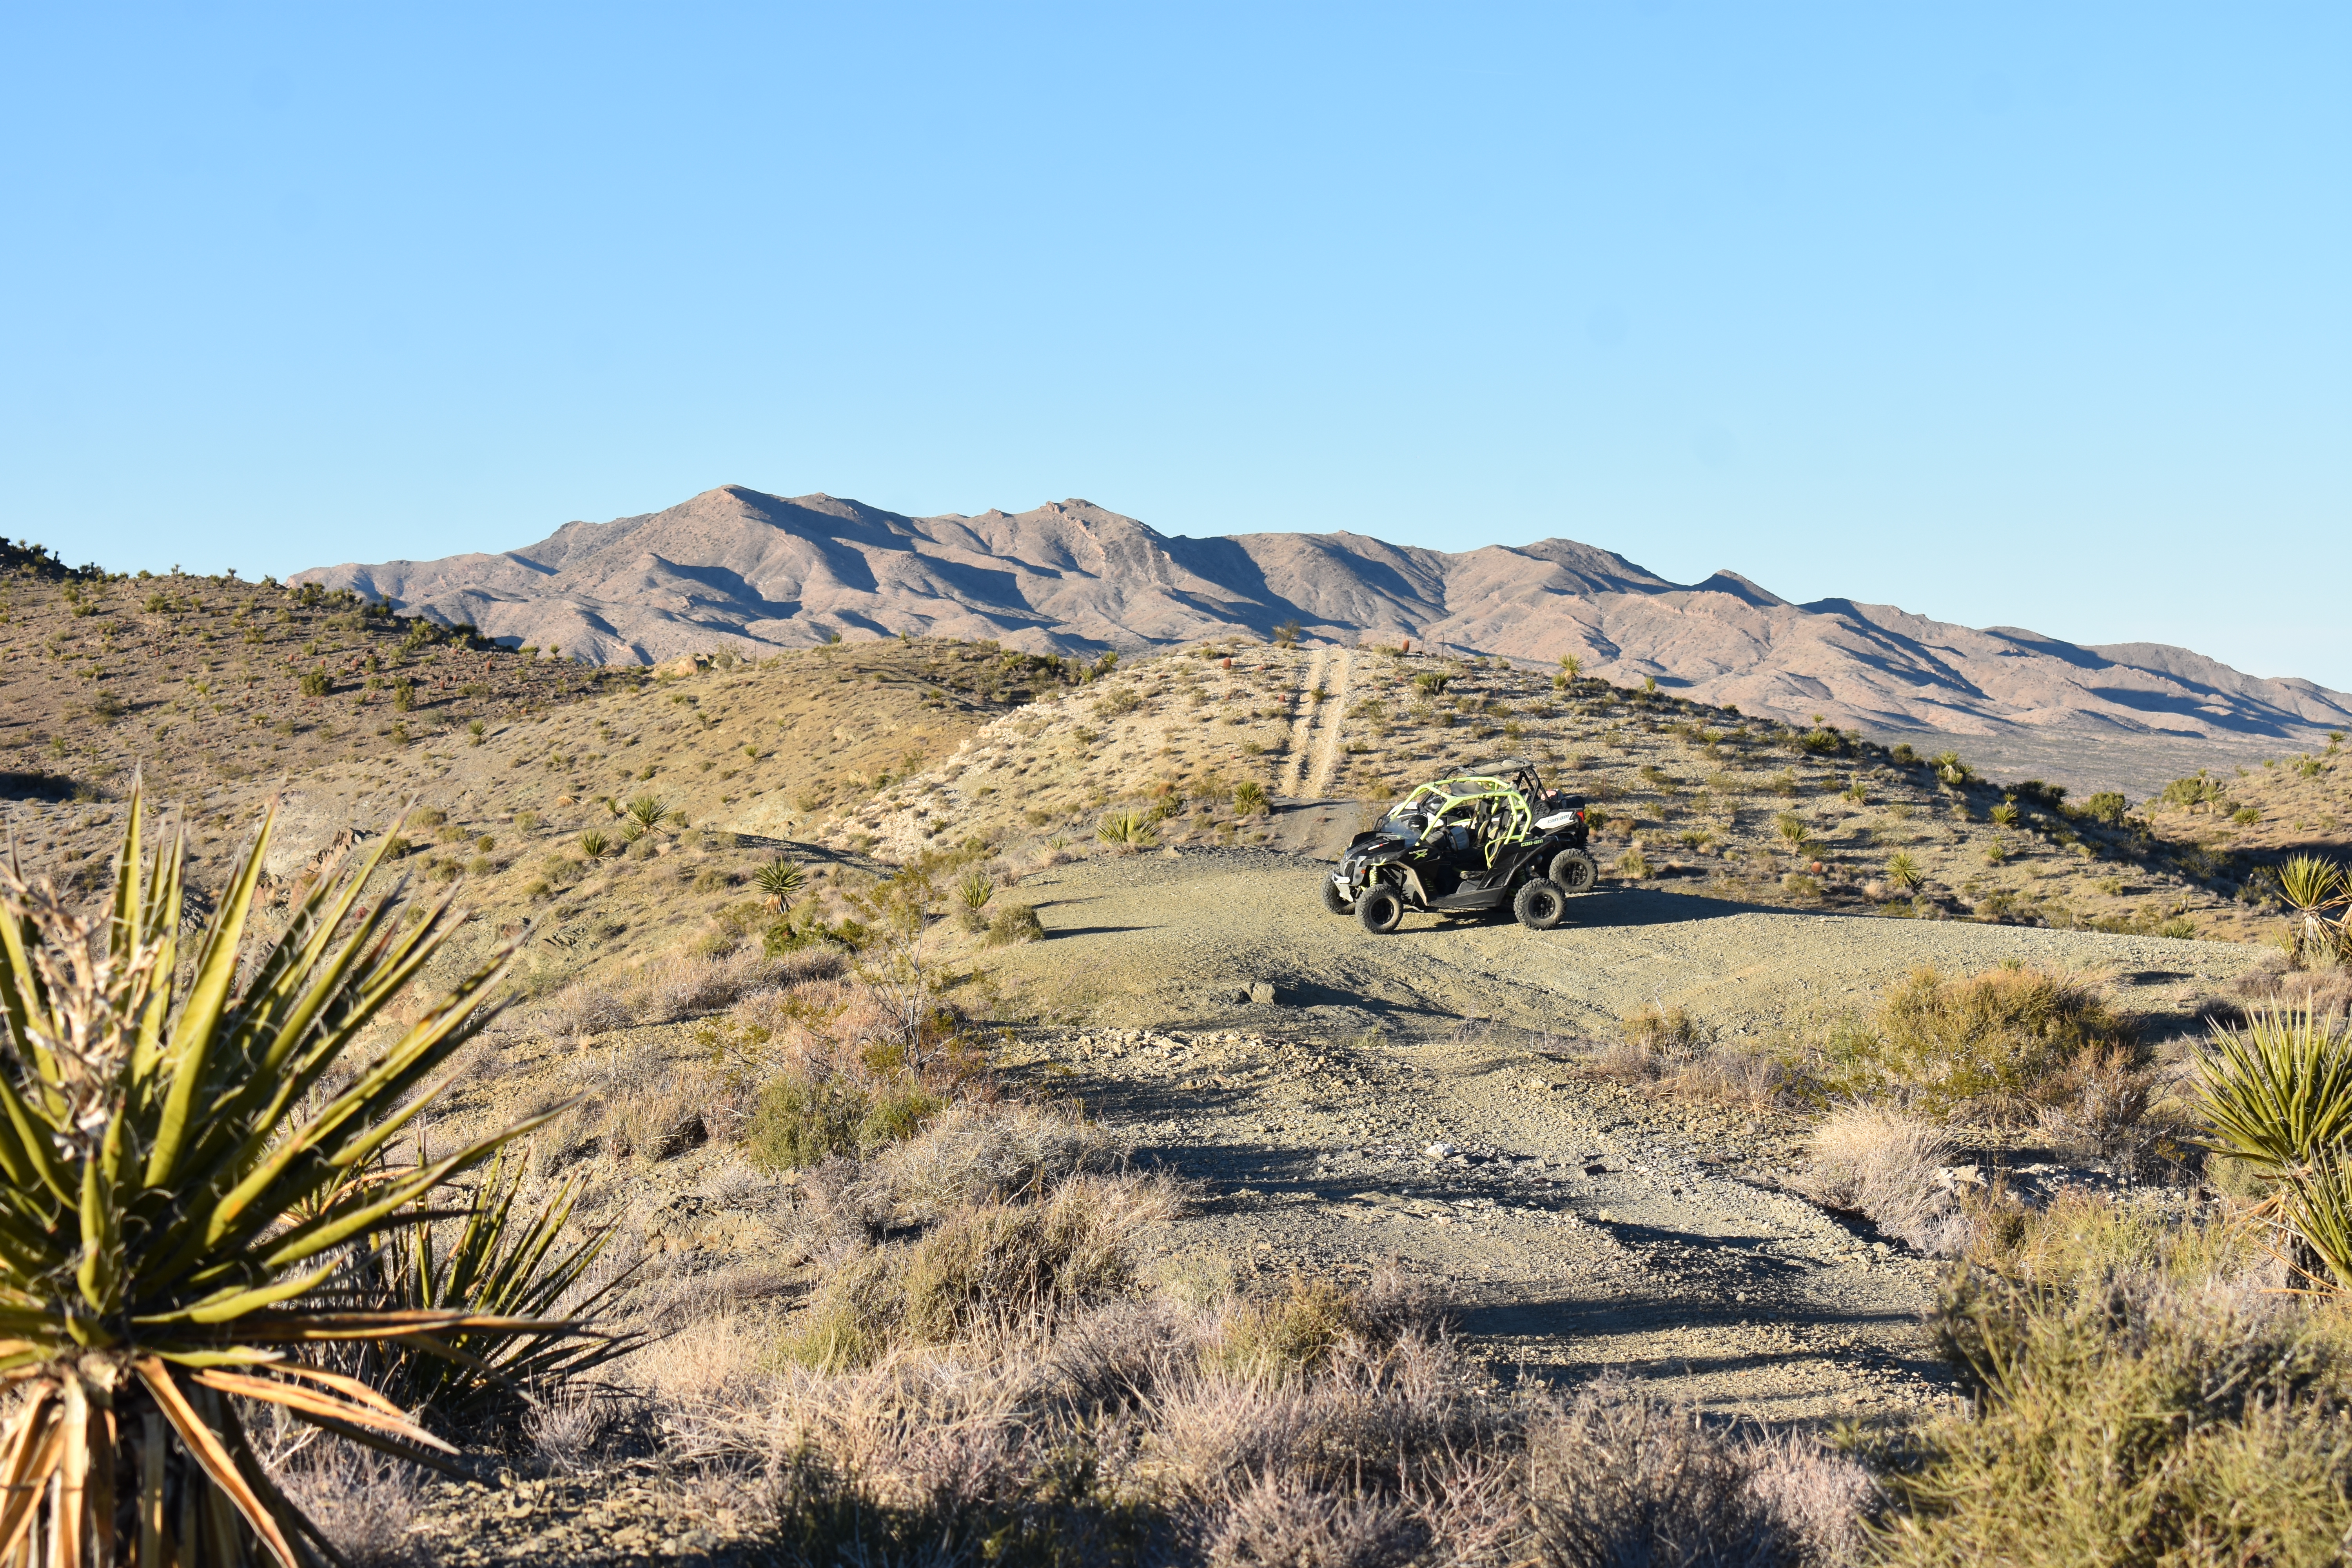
{"points": [[736, 568]]}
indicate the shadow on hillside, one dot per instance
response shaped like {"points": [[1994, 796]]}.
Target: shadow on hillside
{"points": [[28, 786]]}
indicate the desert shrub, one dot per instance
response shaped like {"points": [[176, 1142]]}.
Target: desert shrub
{"points": [[593, 844], [1984, 1045], [987, 1267], [1305, 1329], [2107, 807], [1633, 865], [1015, 923], [1019, 1265], [315, 683], [1250, 799], [1618, 1477], [980, 1152], [2130, 1419], [800, 1120], [1904, 872]]}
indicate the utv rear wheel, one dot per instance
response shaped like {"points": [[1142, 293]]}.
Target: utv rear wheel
{"points": [[1379, 911], [1574, 871], [1335, 901], [1540, 906]]}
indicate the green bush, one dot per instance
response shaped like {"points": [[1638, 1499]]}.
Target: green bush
{"points": [[2124, 1419], [799, 1120], [1983, 1045], [1015, 923], [2106, 807], [1250, 799]]}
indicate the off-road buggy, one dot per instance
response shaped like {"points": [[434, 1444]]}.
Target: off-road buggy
{"points": [[1492, 838]]}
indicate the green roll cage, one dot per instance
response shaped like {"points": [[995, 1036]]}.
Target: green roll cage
{"points": [[1500, 815]]}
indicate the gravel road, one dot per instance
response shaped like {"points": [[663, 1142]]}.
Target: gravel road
{"points": [[1586, 1228]]}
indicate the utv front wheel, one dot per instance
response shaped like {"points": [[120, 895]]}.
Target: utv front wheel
{"points": [[1574, 870], [1335, 901], [1540, 906], [1379, 911]]}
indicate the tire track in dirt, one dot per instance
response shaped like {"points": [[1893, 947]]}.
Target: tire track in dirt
{"points": [[1302, 729], [1334, 706]]}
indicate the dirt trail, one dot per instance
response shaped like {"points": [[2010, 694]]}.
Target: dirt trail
{"points": [[1302, 729], [1588, 1227], [1334, 709]]}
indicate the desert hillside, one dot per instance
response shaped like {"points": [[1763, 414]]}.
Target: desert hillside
{"points": [[733, 567]]}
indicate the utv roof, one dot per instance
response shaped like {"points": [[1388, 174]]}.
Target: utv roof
{"points": [[1499, 765]]}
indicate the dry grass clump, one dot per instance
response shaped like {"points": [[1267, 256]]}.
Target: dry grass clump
{"points": [[1880, 1162], [994, 1267], [1991, 1044], [1618, 1478], [1314, 1324], [2321, 991], [366, 1503], [683, 985], [1668, 1032], [978, 1152]]}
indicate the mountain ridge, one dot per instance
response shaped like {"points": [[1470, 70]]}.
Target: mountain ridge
{"points": [[735, 566]]}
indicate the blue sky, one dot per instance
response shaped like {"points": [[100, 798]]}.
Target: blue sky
{"points": [[2021, 315]]}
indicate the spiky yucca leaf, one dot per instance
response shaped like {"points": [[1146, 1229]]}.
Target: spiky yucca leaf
{"points": [[502, 1265], [2278, 1092], [177, 1180], [1131, 830], [2310, 883]]}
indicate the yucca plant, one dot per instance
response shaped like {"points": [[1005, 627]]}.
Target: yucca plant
{"points": [[593, 844], [1128, 829], [497, 1266], [1904, 872], [2312, 887], [973, 890], [2278, 1095], [780, 882], [648, 811], [177, 1183], [1249, 797], [2278, 1092]]}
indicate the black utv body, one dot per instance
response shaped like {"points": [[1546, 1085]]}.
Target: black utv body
{"points": [[1492, 838]]}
